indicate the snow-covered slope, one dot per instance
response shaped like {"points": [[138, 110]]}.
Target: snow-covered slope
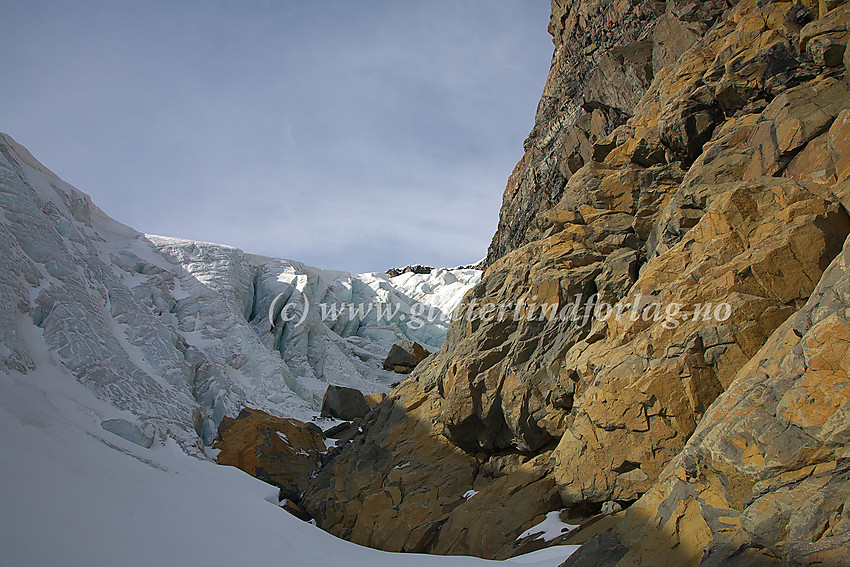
{"points": [[178, 333], [76, 495]]}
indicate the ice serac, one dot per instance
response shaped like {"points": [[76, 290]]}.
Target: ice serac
{"points": [[71, 271], [724, 183], [177, 332], [336, 327]]}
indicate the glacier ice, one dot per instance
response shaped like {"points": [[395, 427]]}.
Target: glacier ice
{"points": [[128, 431], [177, 332]]}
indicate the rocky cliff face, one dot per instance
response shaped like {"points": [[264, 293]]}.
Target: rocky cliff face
{"points": [[691, 154], [607, 53]]}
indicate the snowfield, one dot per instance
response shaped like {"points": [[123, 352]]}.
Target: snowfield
{"points": [[121, 352], [74, 494]]}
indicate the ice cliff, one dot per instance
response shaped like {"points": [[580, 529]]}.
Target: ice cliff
{"points": [[178, 332]]}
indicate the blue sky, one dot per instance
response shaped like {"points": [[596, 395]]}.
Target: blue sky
{"points": [[355, 135]]}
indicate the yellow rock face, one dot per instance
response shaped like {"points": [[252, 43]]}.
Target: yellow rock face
{"points": [[767, 465], [722, 191]]}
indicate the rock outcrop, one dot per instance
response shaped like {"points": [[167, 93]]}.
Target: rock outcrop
{"points": [[404, 356], [375, 399], [607, 53], [413, 269], [670, 236], [764, 479], [282, 452], [403, 486]]}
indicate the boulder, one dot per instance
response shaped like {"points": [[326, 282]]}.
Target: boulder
{"points": [[404, 356], [344, 403], [282, 452], [340, 430]]}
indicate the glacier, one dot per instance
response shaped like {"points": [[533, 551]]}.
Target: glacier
{"points": [[177, 333]]}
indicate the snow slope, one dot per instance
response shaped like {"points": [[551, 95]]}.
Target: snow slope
{"points": [[74, 494], [177, 332]]}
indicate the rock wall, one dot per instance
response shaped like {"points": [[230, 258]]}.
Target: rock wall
{"points": [[606, 55], [717, 174], [765, 478]]}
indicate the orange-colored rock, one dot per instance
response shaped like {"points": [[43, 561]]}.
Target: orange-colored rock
{"points": [[793, 119], [759, 249], [839, 152], [282, 452], [602, 65], [839, 145], [765, 475], [825, 39]]}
